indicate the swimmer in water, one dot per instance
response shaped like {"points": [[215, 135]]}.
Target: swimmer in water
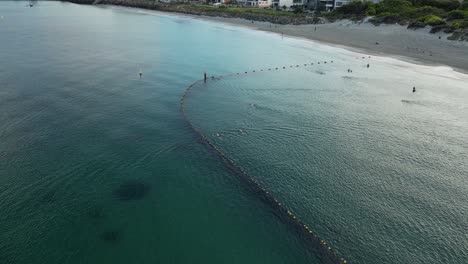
{"points": [[141, 73]]}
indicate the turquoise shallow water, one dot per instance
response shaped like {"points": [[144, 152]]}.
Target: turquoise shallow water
{"points": [[377, 171]]}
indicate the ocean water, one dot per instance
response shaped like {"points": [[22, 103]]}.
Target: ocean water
{"points": [[100, 166]]}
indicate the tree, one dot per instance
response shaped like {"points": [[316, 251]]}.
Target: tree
{"points": [[298, 9], [320, 8]]}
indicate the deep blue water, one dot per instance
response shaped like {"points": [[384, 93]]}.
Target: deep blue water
{"points": [[98, 165]]}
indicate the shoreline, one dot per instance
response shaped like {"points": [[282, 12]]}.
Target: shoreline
{"points": [[415, 46], [418, 47]]}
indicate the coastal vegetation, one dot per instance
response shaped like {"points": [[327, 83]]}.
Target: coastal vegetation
{"points": [[448, 16], [280, 16]]}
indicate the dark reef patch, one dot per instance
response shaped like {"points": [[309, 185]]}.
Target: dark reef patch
{"points": [[95, 212], [49, 197], [111, 236], [132, 190]]}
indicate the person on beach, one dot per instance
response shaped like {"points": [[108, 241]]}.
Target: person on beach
{"points": [[315, 28], [414, 89], [368, 65], [204, 76]]}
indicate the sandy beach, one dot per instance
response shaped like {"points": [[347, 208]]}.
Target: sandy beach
{"points": [[417, 46]]}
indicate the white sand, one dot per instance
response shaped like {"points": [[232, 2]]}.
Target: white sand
{"points": [[396, 41]]}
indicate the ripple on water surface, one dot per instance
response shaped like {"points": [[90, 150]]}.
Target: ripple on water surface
{"points": [[377, 170]]}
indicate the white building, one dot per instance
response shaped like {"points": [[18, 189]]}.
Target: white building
{"points": [[258, 3], [329, 4], [290, 3], [274, 3], [339, 3]]}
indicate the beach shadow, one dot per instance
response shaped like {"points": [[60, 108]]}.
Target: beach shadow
{"points": [[320, 72], [132, 190], [410, 102]]}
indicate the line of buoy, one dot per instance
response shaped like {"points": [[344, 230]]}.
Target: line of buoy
{"points": [[253, 71], [325, 250], [269, 69]]}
